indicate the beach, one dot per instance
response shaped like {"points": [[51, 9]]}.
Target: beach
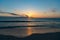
{"points": [[23, 32]]}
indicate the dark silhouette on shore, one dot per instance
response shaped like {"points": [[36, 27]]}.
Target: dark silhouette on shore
{"points": [[46, 36]]}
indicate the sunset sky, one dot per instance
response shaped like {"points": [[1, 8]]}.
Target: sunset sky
{"points": [[32, 8]]}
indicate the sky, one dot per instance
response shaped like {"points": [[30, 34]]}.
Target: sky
{"points": [[35, 8]]}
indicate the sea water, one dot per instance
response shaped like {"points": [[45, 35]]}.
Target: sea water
{"points": [[34, 22], [22, 27]]}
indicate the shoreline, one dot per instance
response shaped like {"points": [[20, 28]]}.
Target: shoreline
{"points": [[22, 32]]}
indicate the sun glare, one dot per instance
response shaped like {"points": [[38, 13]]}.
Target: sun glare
{"points": [[30, 13]]}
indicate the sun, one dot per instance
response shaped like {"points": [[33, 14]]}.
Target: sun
{"points": [[29, 13]]}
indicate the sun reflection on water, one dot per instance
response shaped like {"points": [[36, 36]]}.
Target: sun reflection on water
{"points": [[29, 29]]}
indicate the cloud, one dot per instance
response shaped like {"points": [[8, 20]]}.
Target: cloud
{"points": [[8, 14]]}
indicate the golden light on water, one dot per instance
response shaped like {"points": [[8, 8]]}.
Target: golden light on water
{"points": [[29, 30]]}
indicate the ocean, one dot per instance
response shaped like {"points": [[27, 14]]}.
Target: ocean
{"points": [[22, 27], [32, 22]]}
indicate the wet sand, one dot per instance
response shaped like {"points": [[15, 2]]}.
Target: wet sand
{"points": [[25, 31]]}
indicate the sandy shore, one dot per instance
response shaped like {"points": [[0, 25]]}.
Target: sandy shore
{"points": [[22, 32]]}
